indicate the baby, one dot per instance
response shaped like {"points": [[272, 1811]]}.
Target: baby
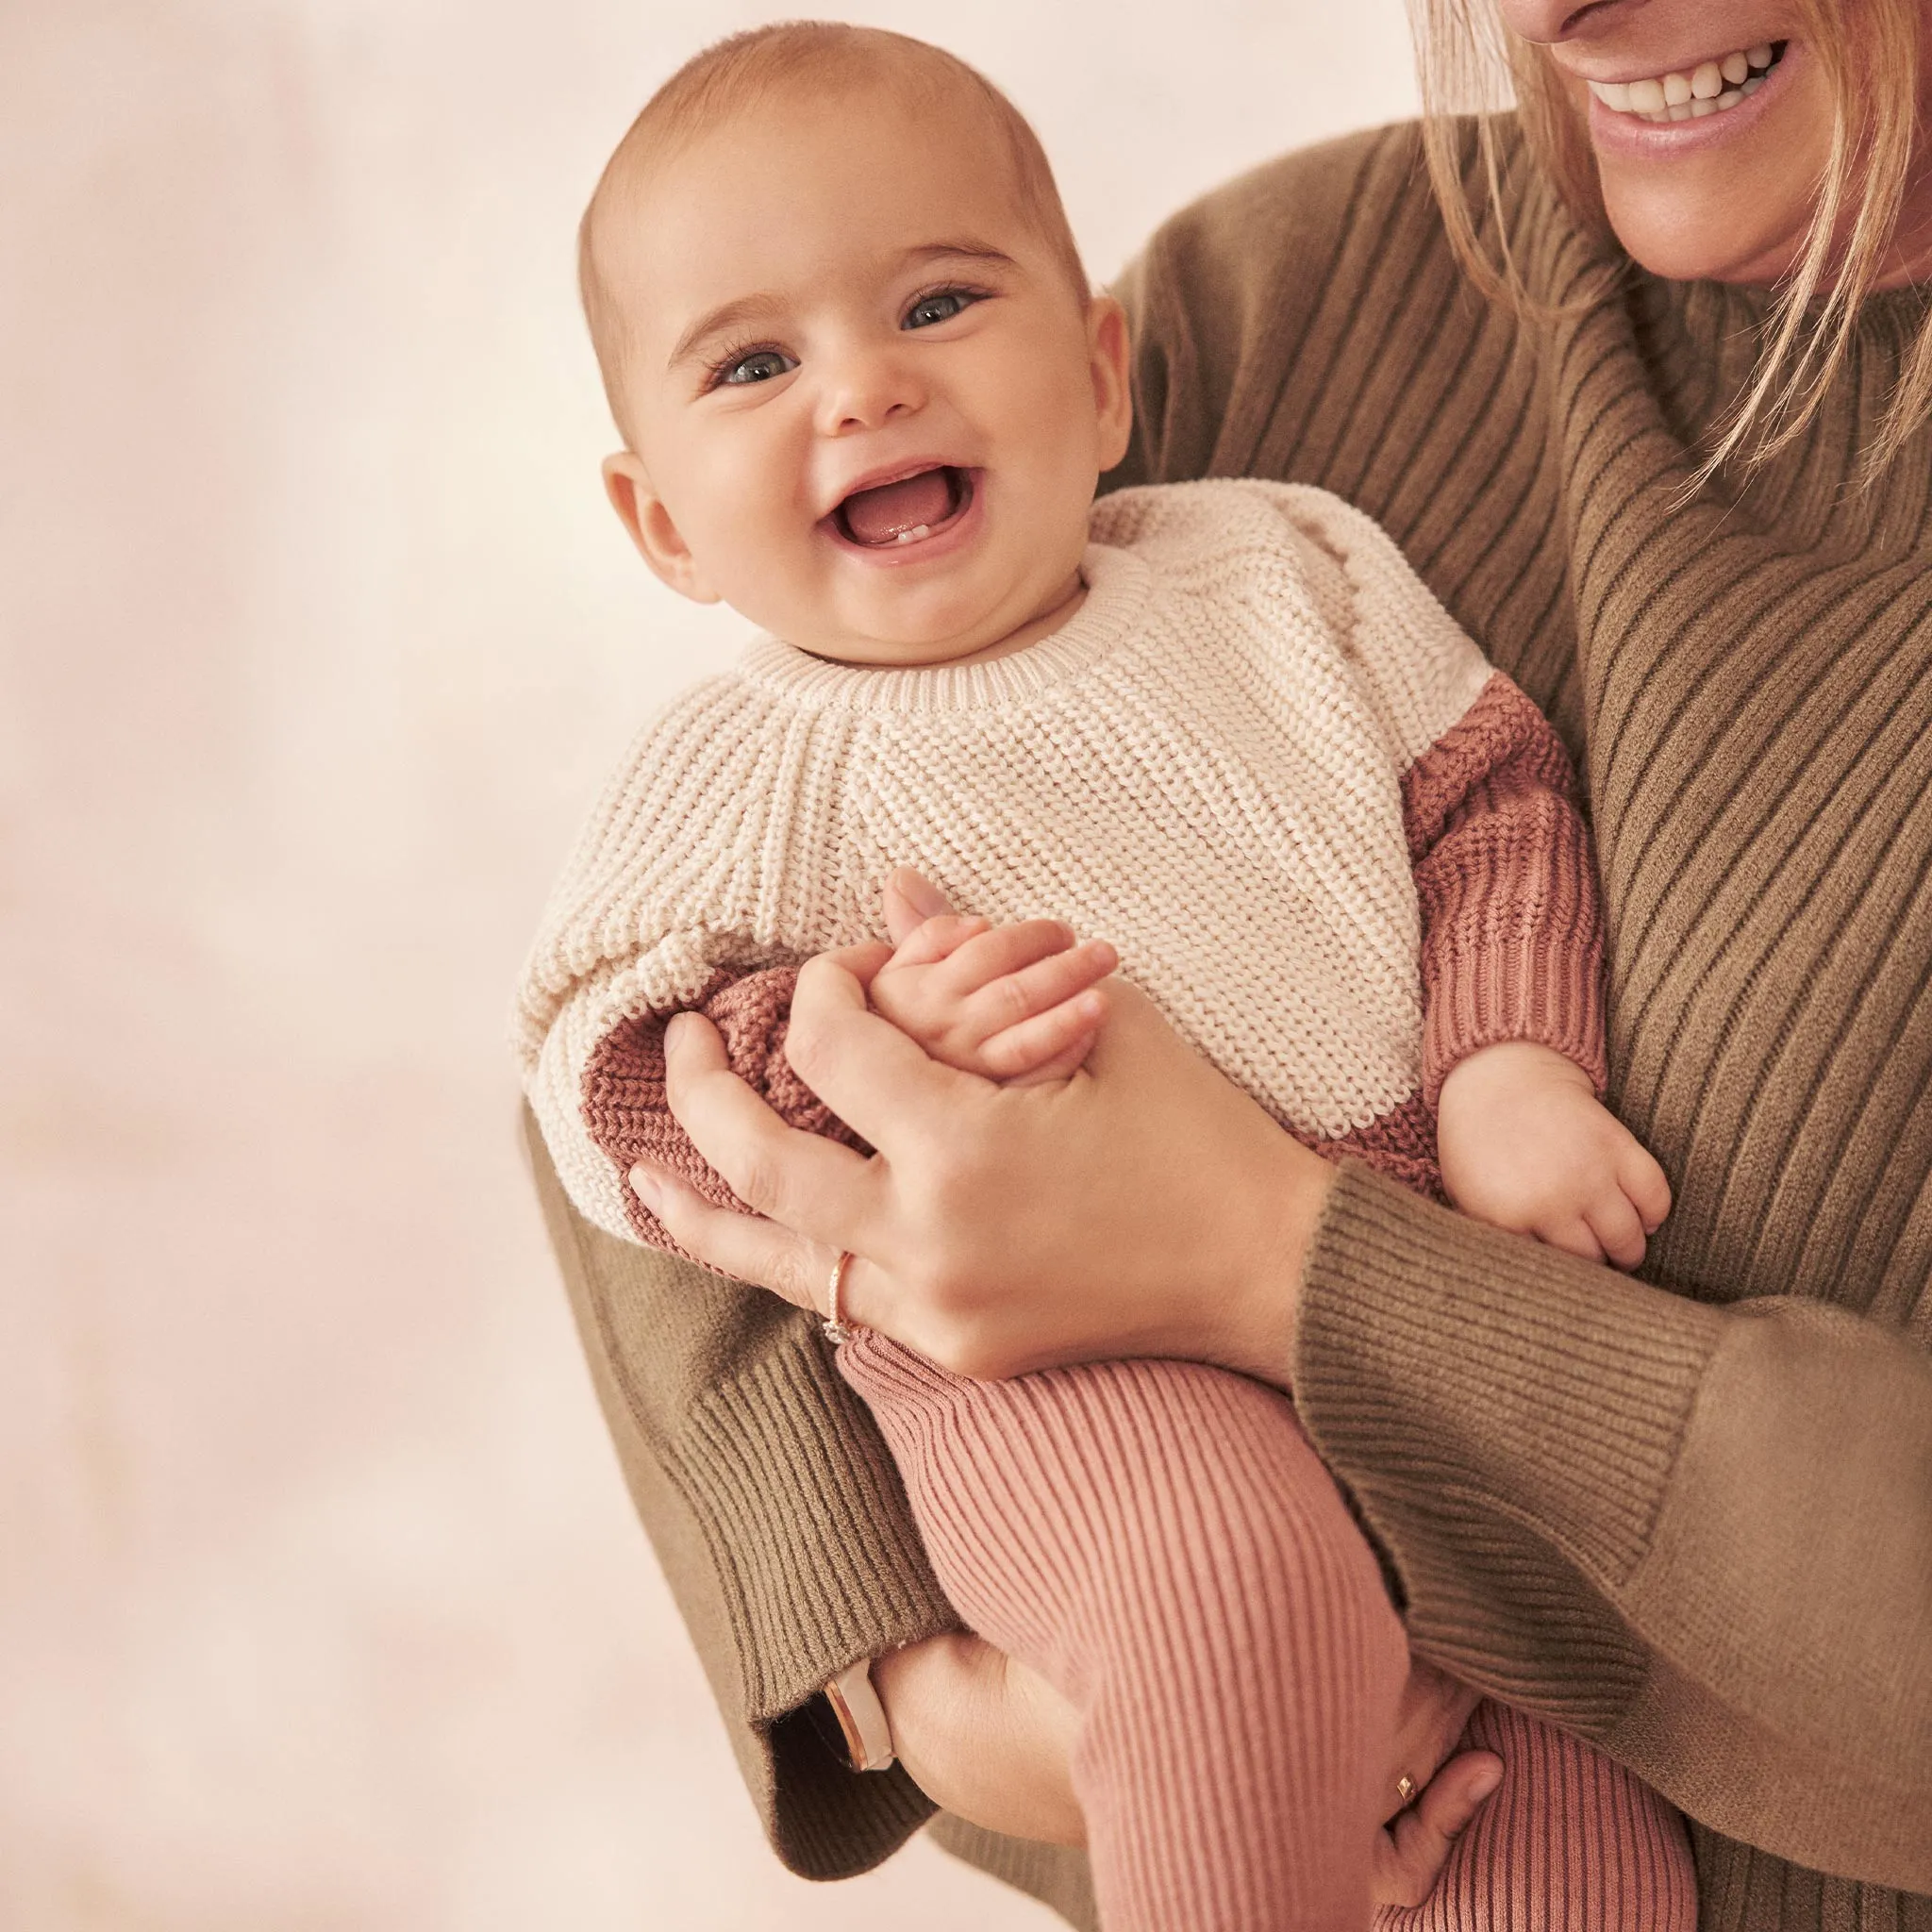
{"points": [[866, 395]]}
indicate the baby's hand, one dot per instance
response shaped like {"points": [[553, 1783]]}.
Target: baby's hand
{"points": [[1525, 1145], [1018, 1004]]}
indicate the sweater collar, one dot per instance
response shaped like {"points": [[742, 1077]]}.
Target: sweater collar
{"points": [[1118, 588]]}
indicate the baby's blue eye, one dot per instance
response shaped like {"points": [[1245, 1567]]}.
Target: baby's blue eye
{"points": [[941, 307], [761, 365]]}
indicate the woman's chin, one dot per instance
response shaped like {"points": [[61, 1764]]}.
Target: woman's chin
{"points": [[1687, 236]]}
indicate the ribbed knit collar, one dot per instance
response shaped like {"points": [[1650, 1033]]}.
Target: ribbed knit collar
{"points": [[1118, 586]]}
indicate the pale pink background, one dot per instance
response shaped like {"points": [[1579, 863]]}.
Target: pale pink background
{"points": [[322, 1609]]}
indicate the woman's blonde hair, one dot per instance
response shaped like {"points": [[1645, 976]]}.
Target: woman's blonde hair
{"points": [[1870, 50]]}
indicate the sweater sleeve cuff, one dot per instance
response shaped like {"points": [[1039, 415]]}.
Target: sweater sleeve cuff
{"points": [[774, 1511], [1485, 1396], [1530, 987]]}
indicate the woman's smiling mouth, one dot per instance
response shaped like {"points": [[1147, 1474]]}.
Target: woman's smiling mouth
{"points": [[1713, 86]]}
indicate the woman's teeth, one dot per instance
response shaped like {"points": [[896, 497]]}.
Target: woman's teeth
{"points": [[1711, 89]]}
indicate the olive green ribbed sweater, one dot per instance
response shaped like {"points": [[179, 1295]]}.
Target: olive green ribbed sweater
{"points": [[1696, 1526]]}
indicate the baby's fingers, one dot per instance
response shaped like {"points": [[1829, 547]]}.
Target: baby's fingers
{"points": [[1574, 1236], [1050, 1046], [1017, 996], [1647, 1184], [1613, 1220], [937, 939], [989, 957]]}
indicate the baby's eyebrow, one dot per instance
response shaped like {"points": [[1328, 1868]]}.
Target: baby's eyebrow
{"points": [[742, 312], [961, 251]]}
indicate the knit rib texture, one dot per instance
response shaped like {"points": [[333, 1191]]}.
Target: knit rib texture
{"points": [[1158, 1540], [1161, 1542], [1706, 1541]]}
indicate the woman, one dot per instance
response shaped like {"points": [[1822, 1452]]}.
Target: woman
{"points": [[1690, 1516]]}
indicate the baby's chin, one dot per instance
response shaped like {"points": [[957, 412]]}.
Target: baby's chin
{"points": [[967, 631], [899, 652]]}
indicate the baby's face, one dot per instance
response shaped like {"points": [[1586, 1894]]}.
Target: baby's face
{"points": [[868, 408]]}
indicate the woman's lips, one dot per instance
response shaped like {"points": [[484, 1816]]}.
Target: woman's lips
{"points": [[1649, 136]]}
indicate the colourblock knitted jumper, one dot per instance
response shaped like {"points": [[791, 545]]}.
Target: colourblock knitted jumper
{"points": [[1261, 760], [1231, 759]]}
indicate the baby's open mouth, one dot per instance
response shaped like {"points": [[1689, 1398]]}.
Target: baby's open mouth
{"points": [[904, 511]]}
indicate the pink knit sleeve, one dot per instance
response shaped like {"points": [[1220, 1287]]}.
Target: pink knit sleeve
{"points": [[623, 1096], [1512, 923]]}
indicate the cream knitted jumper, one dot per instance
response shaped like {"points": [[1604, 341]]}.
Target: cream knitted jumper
{"points": [[1220, 763], [1228, 762]]}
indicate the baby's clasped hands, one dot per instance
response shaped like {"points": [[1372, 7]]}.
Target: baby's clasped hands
{"points": [[1019, 1003]]}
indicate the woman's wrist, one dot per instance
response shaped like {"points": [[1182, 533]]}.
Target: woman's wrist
{"points": [[1272, 1211]]}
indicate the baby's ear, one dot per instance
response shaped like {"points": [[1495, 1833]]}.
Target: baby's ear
{"points": [[641, 511], [1110, 355]]}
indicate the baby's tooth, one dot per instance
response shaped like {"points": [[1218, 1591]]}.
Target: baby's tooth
{"points": [[1647, 97], [1736, 68], [1612, 94], [1759, 56], [1707, 82], [1676, 90]]}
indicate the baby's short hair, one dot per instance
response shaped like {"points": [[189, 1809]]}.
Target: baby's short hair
{"points": [[797, 57]]}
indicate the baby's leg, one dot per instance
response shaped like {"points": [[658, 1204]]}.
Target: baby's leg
{"points": [[1570, 1843], [1161, 1542]]}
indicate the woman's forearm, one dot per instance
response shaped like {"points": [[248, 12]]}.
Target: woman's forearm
{"points": [[1702, 1534]]}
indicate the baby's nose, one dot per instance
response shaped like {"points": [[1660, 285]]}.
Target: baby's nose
{"points": [[868, 391]]}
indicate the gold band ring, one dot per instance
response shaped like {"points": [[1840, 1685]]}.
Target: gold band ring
{"points": [[836, 1330], [1405, 1789]]}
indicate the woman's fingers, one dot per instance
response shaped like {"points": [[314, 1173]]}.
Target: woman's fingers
{"points": [[983, 1736], [874, 1078], [809, 1184], [747, 1247], [1412, 1852]]}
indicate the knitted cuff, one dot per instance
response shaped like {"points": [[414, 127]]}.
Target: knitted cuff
{"points": [[1534, 985], [1487, 1397]]}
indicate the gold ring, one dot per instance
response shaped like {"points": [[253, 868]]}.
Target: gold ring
{"points": [[1405, 1789], [836, 1331]]}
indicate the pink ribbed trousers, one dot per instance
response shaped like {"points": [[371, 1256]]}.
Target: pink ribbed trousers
{"points": [[1159, 1540]]}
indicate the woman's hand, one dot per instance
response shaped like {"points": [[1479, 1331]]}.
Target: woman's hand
{"points": [[1413, 1846], [1143, 1207], [983, 1736], [992, 1743]]}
